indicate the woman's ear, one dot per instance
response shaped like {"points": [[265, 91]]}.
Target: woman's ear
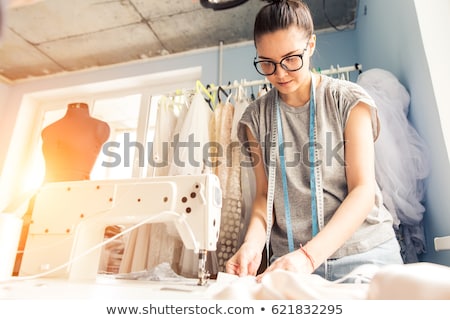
{"points": [[312, 44]]}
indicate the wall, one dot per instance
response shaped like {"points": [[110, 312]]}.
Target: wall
{"points": [[389, 37], [20, 99], [336, 48], [333, 49], [434, 26]]}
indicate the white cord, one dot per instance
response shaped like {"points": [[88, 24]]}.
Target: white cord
{"points": [[144, 221]]}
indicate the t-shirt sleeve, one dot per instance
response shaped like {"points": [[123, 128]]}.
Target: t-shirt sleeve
{"points": [[352, 95], [250, 120]]}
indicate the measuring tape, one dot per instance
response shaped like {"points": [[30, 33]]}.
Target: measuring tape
{"points": [[271, 179], [317, 214], [315, 168]]}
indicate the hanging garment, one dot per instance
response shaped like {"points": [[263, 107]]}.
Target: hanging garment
{"points": [[239, 186], [223, 138], [189, 144], [214, 136], [240, 105], [228, 172], [151, 244], [168, 114], [246, 173], [401, 164]]}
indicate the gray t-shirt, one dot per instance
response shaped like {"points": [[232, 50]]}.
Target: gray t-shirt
{"points": [[334, 102]]}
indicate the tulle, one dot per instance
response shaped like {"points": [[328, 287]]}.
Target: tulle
{"points": [[400, 153]]}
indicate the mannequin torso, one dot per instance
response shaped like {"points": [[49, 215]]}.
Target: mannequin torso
{"points": [[71, 145]]}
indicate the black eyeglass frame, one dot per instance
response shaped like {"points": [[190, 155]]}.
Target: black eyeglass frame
{"points": [[255, 62]]}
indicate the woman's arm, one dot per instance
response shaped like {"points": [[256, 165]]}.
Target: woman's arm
{"points": [[258, 222], [248, 258], [360, 171], [359, 158]]}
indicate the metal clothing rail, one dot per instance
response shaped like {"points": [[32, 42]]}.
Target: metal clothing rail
{"points": [[209, 89], [345, 71], [331, 71]]}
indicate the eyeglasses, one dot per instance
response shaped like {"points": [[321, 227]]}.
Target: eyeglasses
{"points": [[290, 63]]}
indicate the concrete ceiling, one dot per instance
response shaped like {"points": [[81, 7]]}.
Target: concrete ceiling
{"points": [[43, 37]]}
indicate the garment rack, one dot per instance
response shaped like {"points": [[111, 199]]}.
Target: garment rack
{"points": [[244, 83], [331, 71]]}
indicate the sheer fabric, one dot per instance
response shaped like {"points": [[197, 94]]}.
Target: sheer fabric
{"points": [[401, 162]]}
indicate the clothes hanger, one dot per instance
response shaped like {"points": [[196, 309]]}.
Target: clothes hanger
{"points": [[211, 98], [200, 88], [229, 87], [252, 96], [221, 90]]}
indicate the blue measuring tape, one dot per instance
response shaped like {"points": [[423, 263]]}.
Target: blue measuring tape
{"points": [[311, 157]]}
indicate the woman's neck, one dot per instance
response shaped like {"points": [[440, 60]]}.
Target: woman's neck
{"points": [[301, 96]]}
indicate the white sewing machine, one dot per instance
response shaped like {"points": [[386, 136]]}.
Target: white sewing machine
{"points": [[69, 220]]}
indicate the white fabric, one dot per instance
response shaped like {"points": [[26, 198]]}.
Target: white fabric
{"points": [[401, 162], [195, 128], [166, 122], [413, 281], [285, 285]]}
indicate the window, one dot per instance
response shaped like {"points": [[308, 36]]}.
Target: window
{"points": [[122, 115], [130, 112]]}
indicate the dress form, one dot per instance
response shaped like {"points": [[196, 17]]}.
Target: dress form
{"points": [[71, 145]]}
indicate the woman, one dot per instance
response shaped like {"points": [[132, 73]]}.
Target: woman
{"points": [[326, 129]]}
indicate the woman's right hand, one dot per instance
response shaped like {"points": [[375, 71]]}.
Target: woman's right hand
{"points": [[245, 261]]}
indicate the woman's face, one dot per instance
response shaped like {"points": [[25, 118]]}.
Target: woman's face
{"points": [[283, 43]]}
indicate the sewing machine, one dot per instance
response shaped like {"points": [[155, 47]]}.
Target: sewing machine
{"points": [[69, 220]]}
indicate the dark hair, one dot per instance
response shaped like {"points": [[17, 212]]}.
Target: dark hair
{"points": [[282, 14]]}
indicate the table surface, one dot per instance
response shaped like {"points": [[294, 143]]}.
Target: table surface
{"points": [[103, 288]]}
